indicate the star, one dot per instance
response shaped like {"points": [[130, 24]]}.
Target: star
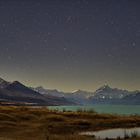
{"points": [[65, 49], [133, 44]]}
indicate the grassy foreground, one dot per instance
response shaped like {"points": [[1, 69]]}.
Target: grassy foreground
{"points": [[26, 123]]}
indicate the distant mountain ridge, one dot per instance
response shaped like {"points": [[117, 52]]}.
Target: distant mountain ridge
{"points": [[132, 98], [17, 92], [108, 92], [108, 95], [104, 95], [78, 96]]}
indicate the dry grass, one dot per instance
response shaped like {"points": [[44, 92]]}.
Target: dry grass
{"points": [[26, 123]]}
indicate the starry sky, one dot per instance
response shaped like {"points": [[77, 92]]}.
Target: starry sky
{"points": [[71, 44]]}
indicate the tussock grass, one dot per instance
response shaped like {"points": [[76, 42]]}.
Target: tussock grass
{"points": [[27, 123], [55, 118], [6, 116]]}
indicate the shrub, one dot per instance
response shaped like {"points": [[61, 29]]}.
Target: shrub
{"points": [[134, 134], [82, 122], [126, 136]]}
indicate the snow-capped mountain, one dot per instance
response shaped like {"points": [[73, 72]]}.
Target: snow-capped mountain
{"points": [[104, 95], [132, 98], [106, 92], [52, 92], [78, 96], [17, 92], [108, 95]]}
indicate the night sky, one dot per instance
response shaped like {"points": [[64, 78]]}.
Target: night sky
{"points": [[71, 44]]}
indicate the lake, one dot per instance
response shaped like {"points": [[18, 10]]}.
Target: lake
{"points": [[114, 133], [113, 109]]}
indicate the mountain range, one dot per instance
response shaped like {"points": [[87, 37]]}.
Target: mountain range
{"points": [[18, 93], [103, 95]]}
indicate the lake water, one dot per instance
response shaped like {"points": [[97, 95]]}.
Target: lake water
{"points": [[113, 109], [114, 133]]}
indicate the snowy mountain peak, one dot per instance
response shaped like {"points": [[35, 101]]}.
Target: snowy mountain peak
{"points": [[106, 87], [103, 88], [78, 91], [106, 92]]}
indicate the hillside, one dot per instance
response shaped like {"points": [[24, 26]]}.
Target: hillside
{"points": [[18, 93]]}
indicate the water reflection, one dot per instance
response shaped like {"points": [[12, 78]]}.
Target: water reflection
{"points": [[114, 133]]}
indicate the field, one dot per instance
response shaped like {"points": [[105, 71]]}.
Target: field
{"points": [[26, 123]]}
